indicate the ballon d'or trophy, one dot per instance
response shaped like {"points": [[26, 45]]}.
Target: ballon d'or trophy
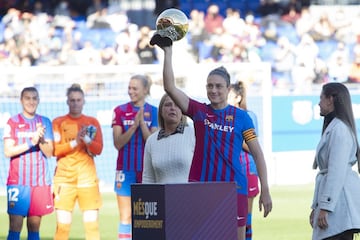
{"points": [[171, 25]]}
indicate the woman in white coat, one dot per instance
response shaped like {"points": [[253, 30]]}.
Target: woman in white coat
{"points": [[336, 204]]}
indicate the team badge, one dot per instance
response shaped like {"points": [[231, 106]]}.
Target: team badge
{"points": [[146, 114], [91, 131]]}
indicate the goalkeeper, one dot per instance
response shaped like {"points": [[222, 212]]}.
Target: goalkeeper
{"points": [[78, 139]]}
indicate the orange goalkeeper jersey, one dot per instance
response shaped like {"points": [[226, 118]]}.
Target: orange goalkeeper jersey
{"points": [[75, 165]]}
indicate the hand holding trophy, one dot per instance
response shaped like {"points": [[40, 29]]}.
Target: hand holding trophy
{"points": [[171, 25]]}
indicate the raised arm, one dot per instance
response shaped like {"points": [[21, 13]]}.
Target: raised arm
{"points": [[179, 97]]}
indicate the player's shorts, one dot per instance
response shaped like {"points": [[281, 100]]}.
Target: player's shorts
{"points": [[29, 201], [123, 181], [253, 186], [65, 197], [242, 209]]}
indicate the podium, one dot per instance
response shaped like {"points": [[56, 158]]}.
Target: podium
{"points": [[184, 211]]}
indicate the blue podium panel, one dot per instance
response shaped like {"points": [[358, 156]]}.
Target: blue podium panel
{"points": [[184, 211]]}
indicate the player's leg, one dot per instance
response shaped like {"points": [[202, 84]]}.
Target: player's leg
{"points": [[33, 226], [124, 205], [89, 199], [249, 219], [242, 210], [253, 191], [64, 202], [63, 224], [91, 224], [15, 226], [41, 203], [123, 195], [18, 202]]}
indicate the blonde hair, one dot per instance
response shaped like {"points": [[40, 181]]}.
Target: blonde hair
{"points": [[145, 80], [75, 87], [161, 118]]}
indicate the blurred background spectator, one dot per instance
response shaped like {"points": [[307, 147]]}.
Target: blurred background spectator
{"points": [[306, 43]]}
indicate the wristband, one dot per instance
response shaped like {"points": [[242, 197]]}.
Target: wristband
{"points": [[73, 143], [87, 139], [29, 143]]}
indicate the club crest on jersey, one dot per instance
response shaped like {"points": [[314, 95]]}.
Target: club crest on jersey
{"points": [[229, 118], [146, 114]]}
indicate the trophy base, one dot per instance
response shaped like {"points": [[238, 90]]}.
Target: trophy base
{"points": [[160, 41]]}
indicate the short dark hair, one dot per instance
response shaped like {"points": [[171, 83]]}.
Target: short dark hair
{"points": [[221, 71], [28, 89]]}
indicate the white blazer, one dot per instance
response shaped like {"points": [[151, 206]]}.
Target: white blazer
{"points": [[337, 185]]}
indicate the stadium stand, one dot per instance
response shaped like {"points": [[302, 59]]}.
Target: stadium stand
{"points": [[112, 25]]}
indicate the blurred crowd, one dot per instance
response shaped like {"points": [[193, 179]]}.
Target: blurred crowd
{"points": [[303, 46]]}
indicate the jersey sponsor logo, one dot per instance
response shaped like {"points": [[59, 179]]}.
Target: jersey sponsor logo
{"points": [[131, 122], [48, 206], [128, 114], [219, 127], [128, 122], [21, 125], [25, 134]]}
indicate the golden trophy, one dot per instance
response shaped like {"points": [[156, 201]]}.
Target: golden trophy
{"points": [[171, 25]]}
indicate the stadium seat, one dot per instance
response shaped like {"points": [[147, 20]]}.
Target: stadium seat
{"points": [[239, 5], [186, 7], [204, 50], [267, 51], [326, 48], [200, 5], [288, 31]]}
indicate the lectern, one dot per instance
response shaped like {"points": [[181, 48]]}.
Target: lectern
{"points": [[196, 211]]}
